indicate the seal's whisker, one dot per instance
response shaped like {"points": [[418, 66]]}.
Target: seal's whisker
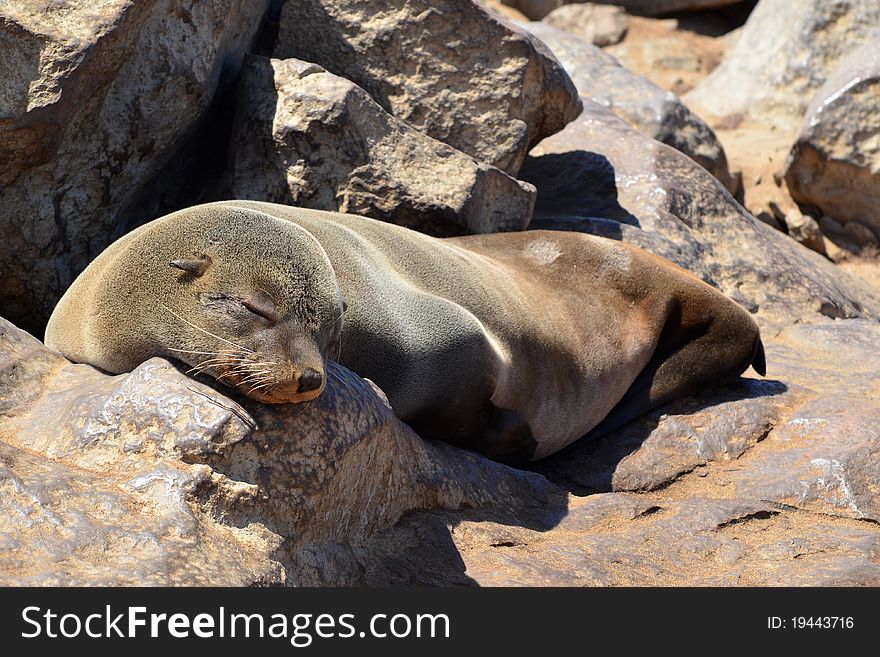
{"points": [[199, 328], [205, 366], [248, 368], [251, 370], [256, 377], [218, 360], [222, 358]]}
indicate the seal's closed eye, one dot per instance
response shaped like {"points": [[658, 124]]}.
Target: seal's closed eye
{"points": [[259, 309]]}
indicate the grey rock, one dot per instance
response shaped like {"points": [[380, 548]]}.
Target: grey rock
{"points": [[428, 64], [642, 104], [95, 102], [834, 164], [601, 25], [305, 137], [786, 51], [601, 176]]}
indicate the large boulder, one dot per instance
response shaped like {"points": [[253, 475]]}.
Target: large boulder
{"points": [[601, 176], [786, 51], [835, 163], [154, 478], [95, 102], [305, 137], [642, 104], [449, 68], [761, 483]]}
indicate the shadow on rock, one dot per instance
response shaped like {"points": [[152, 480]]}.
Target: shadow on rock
{"points": [[575, 180], [674, 439]]}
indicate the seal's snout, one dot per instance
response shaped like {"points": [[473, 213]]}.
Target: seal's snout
{"points": [[310, 380]]}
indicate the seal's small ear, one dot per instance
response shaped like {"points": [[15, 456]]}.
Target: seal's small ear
{"points": [[344, 306], [194, 267]]}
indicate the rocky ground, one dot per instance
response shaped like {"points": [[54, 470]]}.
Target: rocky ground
{"points": [[738, 139]]}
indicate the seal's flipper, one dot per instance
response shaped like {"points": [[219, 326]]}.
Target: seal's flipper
{"points": [[719, 353], [759, 362]]}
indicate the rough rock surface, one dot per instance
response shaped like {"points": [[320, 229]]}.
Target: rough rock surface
{"points": [[538, 9], [785, 53], [835, 163], [427, 63], [155, 478], [643, 105], [152, 477], [601, 176], [95, 101], [601, 25], [305, 137], [761, 483]]}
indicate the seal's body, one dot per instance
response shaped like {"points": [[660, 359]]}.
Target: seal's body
{"points": [[512, 344]]}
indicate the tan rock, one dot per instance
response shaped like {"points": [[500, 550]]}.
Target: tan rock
{"points": [[834, 164], [601, 25], [305, 137], [538, 9], [449, 68], [804, 229], [673, 53], [95, 102], [154, 478], [784, 54], [504, 10]]}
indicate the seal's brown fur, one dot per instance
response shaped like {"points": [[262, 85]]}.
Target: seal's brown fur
{"points": [[512, 344]]}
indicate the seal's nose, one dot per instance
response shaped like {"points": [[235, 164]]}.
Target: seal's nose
{"points": [[310, 380]]}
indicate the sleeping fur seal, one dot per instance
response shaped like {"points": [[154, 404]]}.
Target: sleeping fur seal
{"points": [[512, 344]]}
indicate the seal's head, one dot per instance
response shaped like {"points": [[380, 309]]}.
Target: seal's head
{"points": [[255, 303], [249, 299]]}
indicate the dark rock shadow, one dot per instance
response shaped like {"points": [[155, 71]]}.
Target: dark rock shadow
{"points": [[572, 185], [419, 550], [588, 465], [715, 22]]}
